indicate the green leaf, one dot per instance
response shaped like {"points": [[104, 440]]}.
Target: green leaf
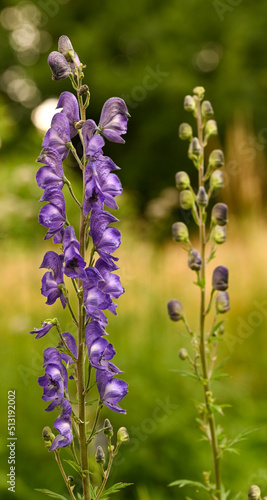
{"points": [[93, 491], [186, 482], [76, 467], [216, 327], [113, 489], [212, 256], [200, 283], [91, 402], [52, 494], [185, 373]]}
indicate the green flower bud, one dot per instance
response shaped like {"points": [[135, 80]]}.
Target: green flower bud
{"points": [[180, 232], [122, 435], [206, 109], [222, 302], [202, 197], [211, 128], [185, 131], [219, 214], [219, 234], [108, 429], [194, 148], [175, 310], [186, 199], [189, 103], [48, 436], [254, 492], [216, 159], [216, 180], [70, 479], [183, 354], [100, 455], [182, 180], [200, 92]]}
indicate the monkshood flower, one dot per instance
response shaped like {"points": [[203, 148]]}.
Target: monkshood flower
{"points": [[53, 215], [110, 282], [111, 390], [63, 425], [74, 263], [46, 327], [194, 260], [95, 301], [219, 214], [175, 310], [105, 239], [220, 278], [59, 66], [51, 174], [100, 352], [113, 120], [58, 136], [52, 282], [70, 108], [54, 382]]}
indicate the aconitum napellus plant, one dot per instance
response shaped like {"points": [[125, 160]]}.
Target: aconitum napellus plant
{"points": [[83, 260]]}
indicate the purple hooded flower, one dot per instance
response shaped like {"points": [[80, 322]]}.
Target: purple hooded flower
{"points": [[51, 174], [100, 352], [93, 143], [220, 278], [105, 239], [111, 390], [63, 425], [53, 215], [46, 327], [71, 343], [58, 136], [74, 263], [113, 119], [70, 106], [95, 301], [52, 280], [59, 66], [54, 382], [111, 282]]}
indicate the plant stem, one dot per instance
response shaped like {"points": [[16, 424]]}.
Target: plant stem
{"points": [[111, 457], [63, 474], [206, 385]]}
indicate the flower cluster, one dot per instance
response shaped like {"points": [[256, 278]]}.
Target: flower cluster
{"points": [[94, 279]]}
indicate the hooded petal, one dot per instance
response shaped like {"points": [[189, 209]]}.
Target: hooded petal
{"points": [[70, 106]]}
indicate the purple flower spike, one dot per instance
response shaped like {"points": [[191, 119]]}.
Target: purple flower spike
{"points": [[63, 425], [70, 106], [111, 390], [113, 119], [52, 173], [41, 332], [59, 66], [58, 135], [220, 278]]}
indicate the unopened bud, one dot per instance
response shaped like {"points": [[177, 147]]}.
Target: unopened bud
{"points": [[186, 199], [189, 103], [182, 181], [216, 180], [221, 330], [185, 131], [200, 92], [222, 302], [122, 435], [70, 479], [202, 197], [194, 147], [100, 455], [194, 260], [216, 158], [219, 214], [48, 436], [183, 354], [83, 90], [211, 128], [175, 310], [108, 429], [59, 66], [219, 234], [220, 278], [254, 492], [206, 109], [78, 125], [65, 46], [180, 232]]}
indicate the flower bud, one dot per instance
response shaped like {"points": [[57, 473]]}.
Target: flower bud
{"points": [[194, 260], [254, 492], [202, 198], [222, 302], [211, 128], [220, 278], [185, 131], [83, 90], [216, 180], [216, 158], [182, 180], [186, 199], [189, 103], [122, 435], [48, 436], [206, 109], [59, 66], [219, 214], [183, 354], [219, 234], [78, 125], [175, 310], [70, 479], [100, 455], [199, 91], [194, 147], [180, 232], [108, 429], [65, 46]]}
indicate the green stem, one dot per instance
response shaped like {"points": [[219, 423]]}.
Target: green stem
{"points": [[107, 472], [92, 433], [206, 386], [64, 475], [68, 183]]}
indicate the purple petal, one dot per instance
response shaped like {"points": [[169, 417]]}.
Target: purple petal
{"points": [[71, 343], [59, 66], [70, 106], [42, 331]]}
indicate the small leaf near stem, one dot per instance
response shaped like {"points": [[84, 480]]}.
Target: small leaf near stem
{"points": [[68, 183], [92, 433]]}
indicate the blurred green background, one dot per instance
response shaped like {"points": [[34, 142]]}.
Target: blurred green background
{"points": [[151, 53]]}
